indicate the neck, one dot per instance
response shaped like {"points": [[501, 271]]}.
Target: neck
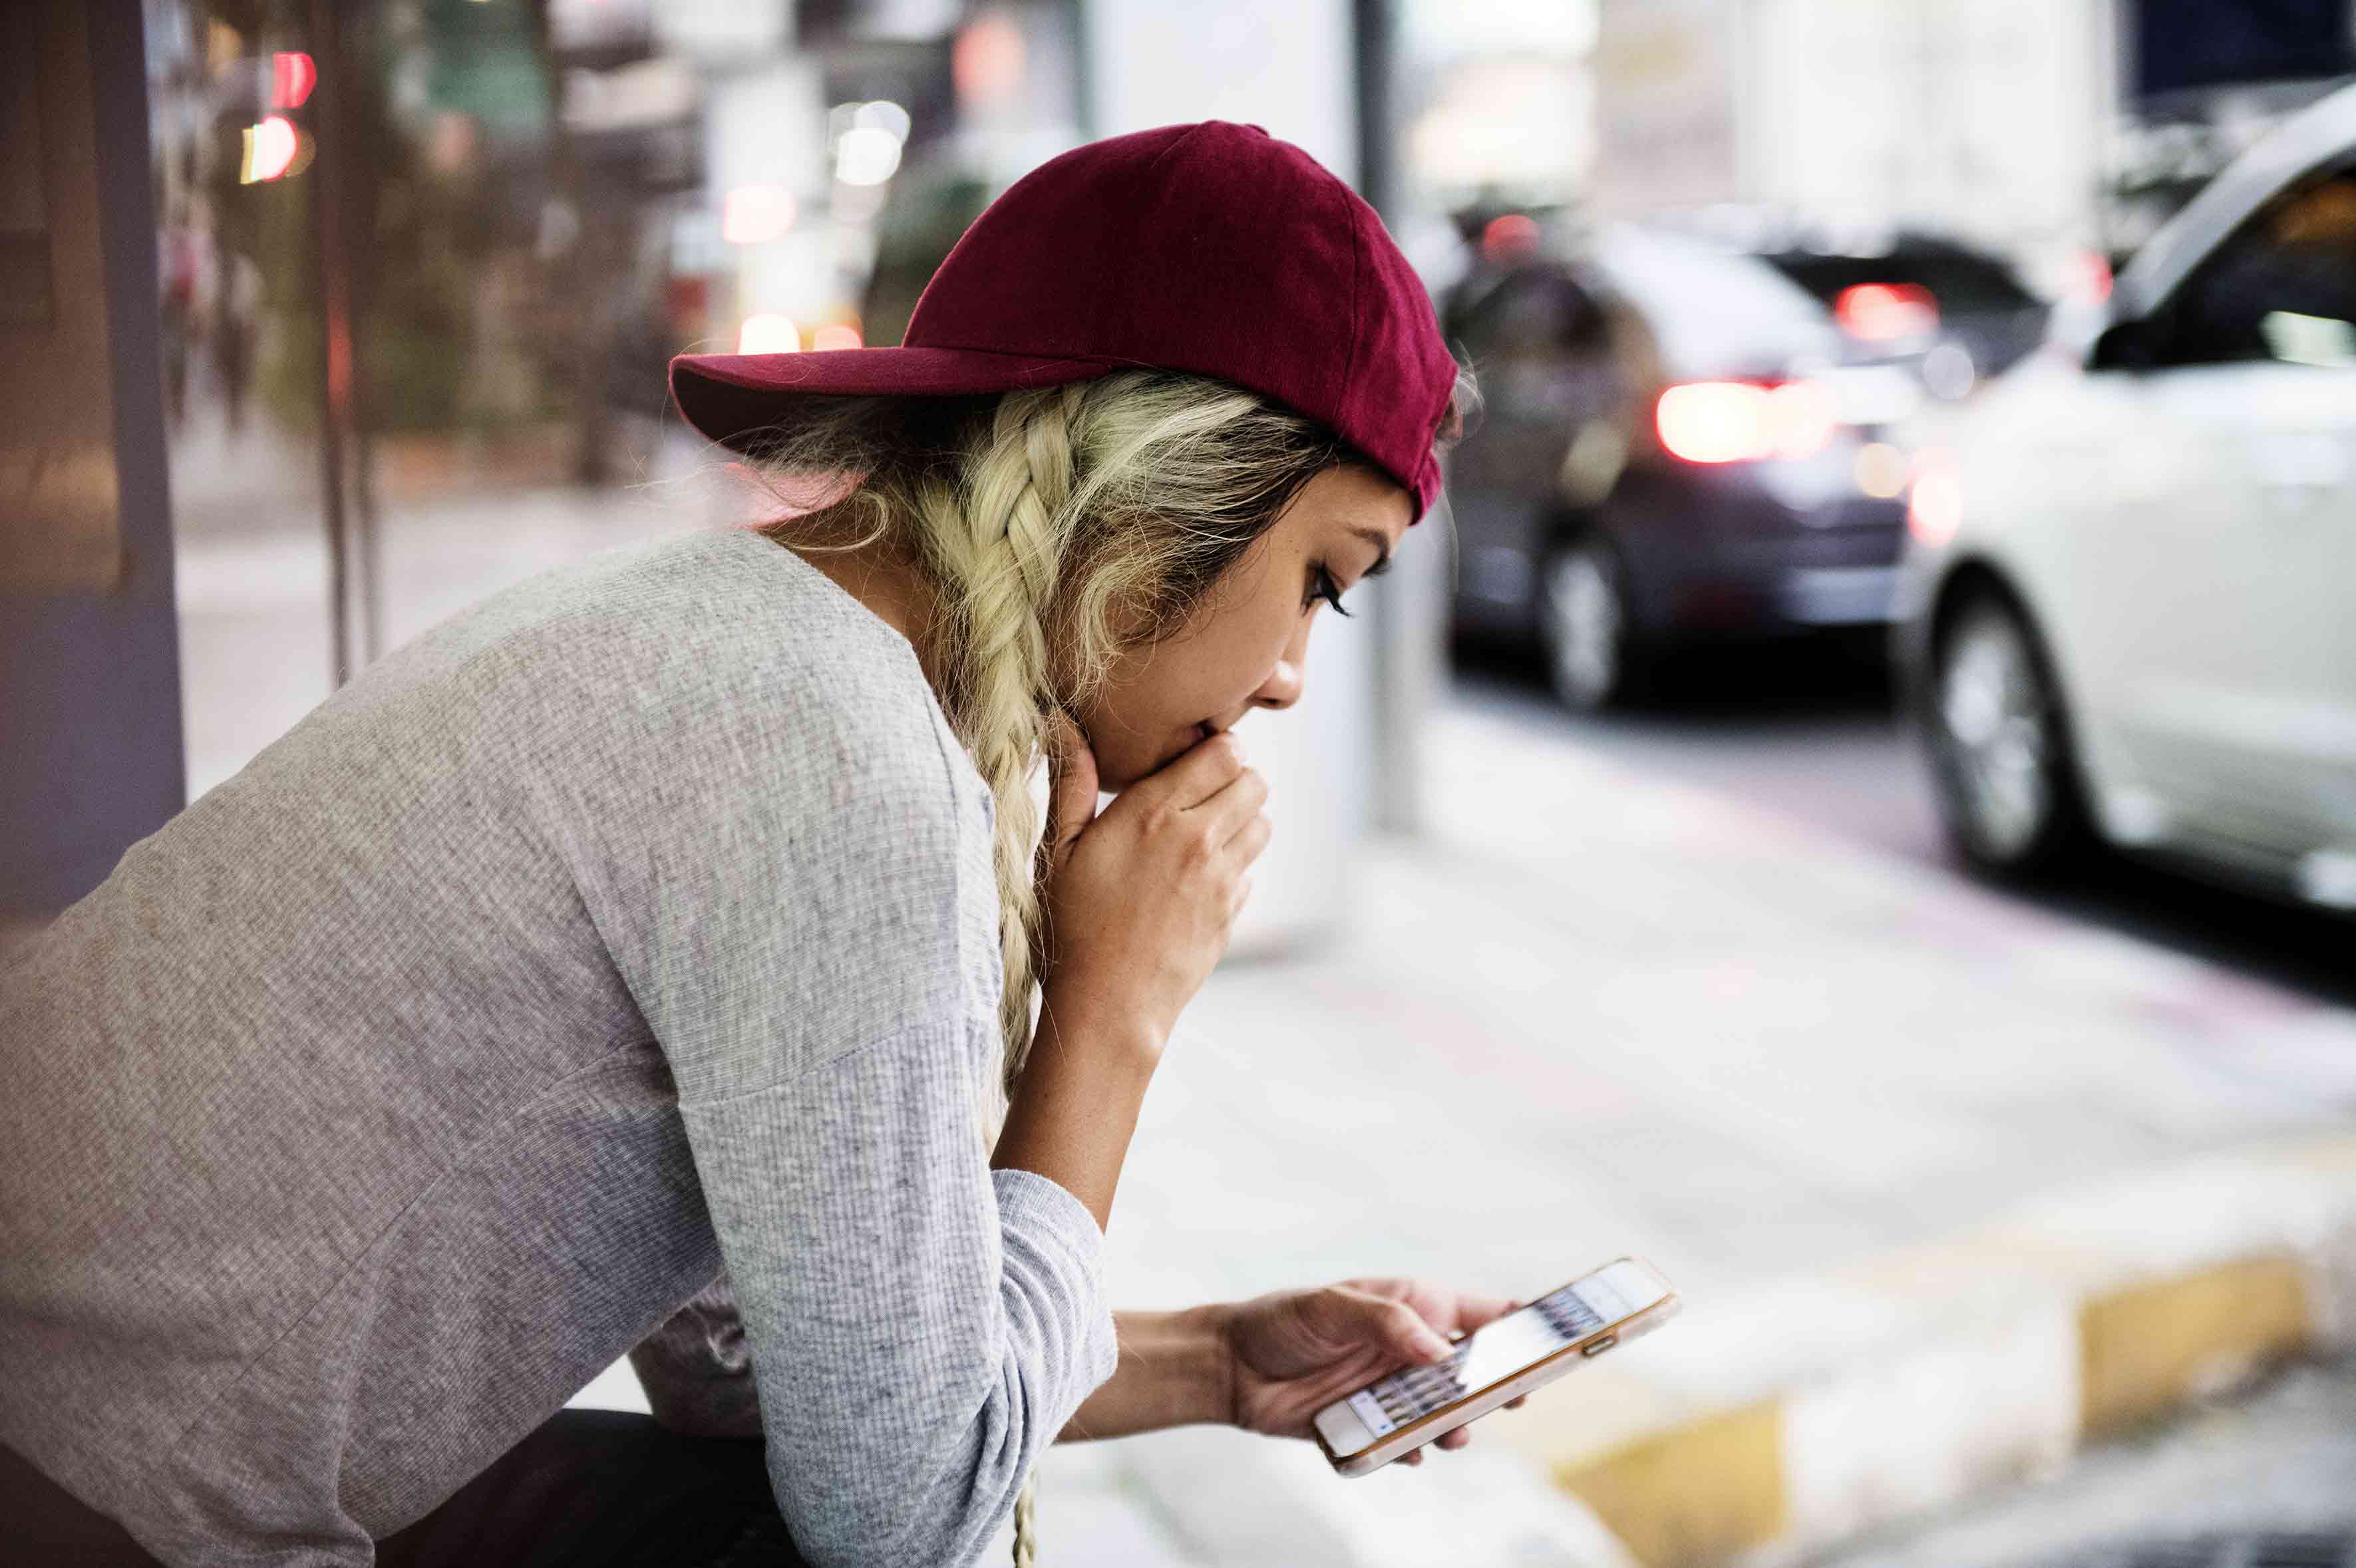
{"points": [[893, 589]]}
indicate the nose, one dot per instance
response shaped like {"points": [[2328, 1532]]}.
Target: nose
{"points": [[1281, 690]]}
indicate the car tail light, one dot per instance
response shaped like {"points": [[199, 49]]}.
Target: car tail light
{"points": [[1880, 312], [1510, 236], [1744, 422], [2090, 277], [1935, 501]]}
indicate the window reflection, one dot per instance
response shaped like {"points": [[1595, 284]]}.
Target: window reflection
{"points": [[422, 275]]}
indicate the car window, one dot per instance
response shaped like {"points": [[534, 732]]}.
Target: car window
{"points": [[1713, 312], [1962, 282], [1540, 313], [2282, 288]]}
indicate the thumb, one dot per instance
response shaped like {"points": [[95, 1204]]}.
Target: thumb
{"points": [[1071, 789], [1395, 1326]]}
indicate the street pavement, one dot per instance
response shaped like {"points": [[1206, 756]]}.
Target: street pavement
{"points": [[2277, 1461], [1597, 1009], [1808, 730]]}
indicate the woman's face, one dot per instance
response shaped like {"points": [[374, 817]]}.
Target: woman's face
{"points": [[1243, 645]]}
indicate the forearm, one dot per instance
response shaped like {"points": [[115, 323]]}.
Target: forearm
{"points": [[1176, 1370], [1075, 1109]]}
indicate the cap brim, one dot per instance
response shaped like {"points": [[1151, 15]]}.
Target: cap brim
{"points": [[732, 397]]}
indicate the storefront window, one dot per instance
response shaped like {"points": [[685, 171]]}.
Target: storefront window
{"points": [[422, 271]]}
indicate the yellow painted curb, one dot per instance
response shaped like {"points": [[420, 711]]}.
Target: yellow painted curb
{"points": [[1853, 1401], [2152, 1347], [1701, 1493]]}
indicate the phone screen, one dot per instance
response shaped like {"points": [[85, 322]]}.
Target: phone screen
{"points": [[1509, 1345]]}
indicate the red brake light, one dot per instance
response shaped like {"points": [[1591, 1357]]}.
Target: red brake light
{"points": [[2090, 277], [1879, 312], [1934, 504], [1509, 237], [292, 78], [1744, 422]]}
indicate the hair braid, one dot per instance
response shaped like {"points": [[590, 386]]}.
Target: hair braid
{"points": [[997, 550]]}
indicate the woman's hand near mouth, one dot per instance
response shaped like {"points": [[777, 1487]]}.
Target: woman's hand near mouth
{"points": [[1140, 902]]}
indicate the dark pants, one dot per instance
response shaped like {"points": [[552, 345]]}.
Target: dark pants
{"points": [[588, 1489]]}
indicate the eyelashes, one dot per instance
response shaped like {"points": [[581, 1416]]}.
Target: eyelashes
{"points": [[1323, 586]]}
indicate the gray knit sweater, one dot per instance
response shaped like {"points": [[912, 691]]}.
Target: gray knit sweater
{"points": [[636, 922]]}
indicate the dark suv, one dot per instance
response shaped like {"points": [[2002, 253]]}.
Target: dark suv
{"points": [[1680, 442]]}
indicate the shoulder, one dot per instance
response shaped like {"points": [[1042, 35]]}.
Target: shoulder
{"points": [[722, 665]]}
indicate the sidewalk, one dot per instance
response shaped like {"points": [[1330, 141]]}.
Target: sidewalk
{"points": [[1838, 1099]]}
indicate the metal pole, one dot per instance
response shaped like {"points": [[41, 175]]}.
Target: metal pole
{"points": [[356, 203], [1406, 633], [335, 333]]}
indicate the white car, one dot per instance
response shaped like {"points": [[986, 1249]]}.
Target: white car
{"points": [[2127, 605]]}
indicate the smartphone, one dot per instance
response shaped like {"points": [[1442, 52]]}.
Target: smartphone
{"points": [[1502, 1359]]}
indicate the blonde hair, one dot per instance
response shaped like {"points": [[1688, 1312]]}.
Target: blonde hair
{"points": [[1058, 528]]}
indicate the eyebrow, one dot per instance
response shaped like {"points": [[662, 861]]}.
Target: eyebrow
{"points": [[1383, 559]]}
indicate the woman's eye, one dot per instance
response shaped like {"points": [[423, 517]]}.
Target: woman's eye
{"points": [[1323, 586]]}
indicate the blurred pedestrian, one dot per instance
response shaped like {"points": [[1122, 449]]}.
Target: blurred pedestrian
{"points": [[236, 324], [631, 962], [184, 273]]}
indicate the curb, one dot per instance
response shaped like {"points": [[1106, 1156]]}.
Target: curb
{"points": [[1824, 1408]]}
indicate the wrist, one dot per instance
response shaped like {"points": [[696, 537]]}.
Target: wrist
{"points": [[1177, 1369], [1071, 1020], [1192, 1363], [1214, 1330]]}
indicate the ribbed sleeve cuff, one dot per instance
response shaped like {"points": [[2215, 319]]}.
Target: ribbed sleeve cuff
{"points": [[1057, 1226]]}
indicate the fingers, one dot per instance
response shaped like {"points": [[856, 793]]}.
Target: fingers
{"points": [[1393, 1325], [1450, 1441], [1473, 1311], [1071, 788], [1247, 842], [1203, 771], [1231, 810]]}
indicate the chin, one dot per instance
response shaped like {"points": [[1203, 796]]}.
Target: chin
{"points": [[1120, 767], [1114, 775]]}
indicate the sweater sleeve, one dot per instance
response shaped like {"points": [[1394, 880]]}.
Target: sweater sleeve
{"points": [[809, 926], [920, 1327]]}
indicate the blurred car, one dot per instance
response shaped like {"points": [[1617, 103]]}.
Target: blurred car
{"points": [[1960, 314], [1679, 442], [2130, 592]]}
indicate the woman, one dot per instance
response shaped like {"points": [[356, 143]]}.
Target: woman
{"points": [[628, 963]]}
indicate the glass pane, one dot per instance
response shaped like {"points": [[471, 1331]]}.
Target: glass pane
{"points": [[237, 271], [526, 209], [2284, 288]]}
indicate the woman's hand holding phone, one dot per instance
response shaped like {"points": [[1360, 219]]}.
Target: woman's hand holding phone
{"points": [[1270, 1364], [1294, 1352]]}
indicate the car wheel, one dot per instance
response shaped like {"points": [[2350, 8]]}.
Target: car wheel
{"points": [[1999, 745], [1588, 628]]}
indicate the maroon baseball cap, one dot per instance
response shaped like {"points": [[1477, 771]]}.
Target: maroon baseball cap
{"points": [[1213, 249]]}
